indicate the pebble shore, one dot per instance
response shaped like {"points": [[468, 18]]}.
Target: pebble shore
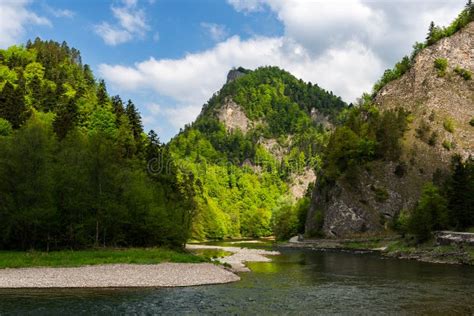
{"points": [[117, 275]]}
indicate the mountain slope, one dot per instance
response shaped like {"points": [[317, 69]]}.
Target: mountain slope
{"points": [[437, 94], [253, 149]]}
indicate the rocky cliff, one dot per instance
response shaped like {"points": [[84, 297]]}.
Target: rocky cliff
{"points": [[441, 102]]}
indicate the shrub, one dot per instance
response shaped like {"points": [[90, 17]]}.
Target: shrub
{"points": [[5, 127], [448, 145], [463, 73], [401, 169], [471, 122], [422, 131], [433, 139], [430, 214], [441, 64], [381, 194], [448, 125]]}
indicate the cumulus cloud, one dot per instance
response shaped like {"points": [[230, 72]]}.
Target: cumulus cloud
{"points": [[343, 46], [14, 17], [194, 78], [217, 32], [130, 23]]}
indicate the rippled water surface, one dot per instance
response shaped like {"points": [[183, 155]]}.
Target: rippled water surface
{"points": [[297, 282]]}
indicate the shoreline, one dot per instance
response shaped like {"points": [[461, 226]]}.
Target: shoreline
{"points": [[117, 276], [391, 248], [124, 275]]}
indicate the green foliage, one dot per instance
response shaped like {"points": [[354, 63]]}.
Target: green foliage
{"points": [[463, 73], [288, 220], [5, 127], [381, 194], [471, 122], [366, 135], [242, 185], [441, 64], [430, 214], [74, 161], [448, 145], [392, 74], [432, 141], [448, 124], [460, 193]]}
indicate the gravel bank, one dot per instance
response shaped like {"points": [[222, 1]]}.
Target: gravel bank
{"points": [[117, 275], [239, 256]]}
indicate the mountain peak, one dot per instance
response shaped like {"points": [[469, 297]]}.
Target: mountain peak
{"points": [[235, 73]]}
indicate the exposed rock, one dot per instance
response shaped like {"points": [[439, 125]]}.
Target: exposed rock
{"points": [[320, 118], [273, 147], [457, 238], [299, 182], [234, 74], [375, 193], [233, 116]]}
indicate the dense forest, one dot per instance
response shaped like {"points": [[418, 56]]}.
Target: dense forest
{"points": [[73, 160], [241, 187], [79, 171]]}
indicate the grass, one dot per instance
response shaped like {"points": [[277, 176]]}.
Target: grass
{"points": [[70, 258]]}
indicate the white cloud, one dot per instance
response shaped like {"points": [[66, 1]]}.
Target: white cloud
{"points": [[112, 35], [217, 32], [194, 78], [14, 17], [60, 13], [343, 46], [247, 6], [131, 23], [179, 116]]}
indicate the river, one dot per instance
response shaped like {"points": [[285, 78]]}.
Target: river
{"points": [[296, 282]]}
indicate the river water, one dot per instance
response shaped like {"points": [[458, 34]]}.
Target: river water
{"points": [[302, 282]]}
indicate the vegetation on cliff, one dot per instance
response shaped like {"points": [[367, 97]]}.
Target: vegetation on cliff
{"points": [[240, 186]]}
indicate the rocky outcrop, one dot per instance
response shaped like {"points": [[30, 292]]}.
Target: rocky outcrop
{"points": [[233, 116], [299, 183], [367, 199], [234, 74], [454, 238]]}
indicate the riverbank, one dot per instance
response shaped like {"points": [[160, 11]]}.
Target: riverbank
{"points": [[394, 247], [105, 268], [75, 258]]}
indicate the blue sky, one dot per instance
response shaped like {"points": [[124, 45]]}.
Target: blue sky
{"points": [[169, 56]]}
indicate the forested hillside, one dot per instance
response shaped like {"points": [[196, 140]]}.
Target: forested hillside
{"points": [[256, 139], [401, 160], [73, 160]]}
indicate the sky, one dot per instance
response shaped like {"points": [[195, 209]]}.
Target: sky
{"points": [[170, 56]]}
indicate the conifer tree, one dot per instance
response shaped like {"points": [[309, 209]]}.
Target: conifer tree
{"points": [[12, 106], [134, 119], [102, 96], [66, 118]]}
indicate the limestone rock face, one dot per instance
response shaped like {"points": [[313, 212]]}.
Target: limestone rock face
{"points": [[364, 202], [233, 117]]}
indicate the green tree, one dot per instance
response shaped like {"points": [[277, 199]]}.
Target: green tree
{"points": [[12, 106], [430, 214]]}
